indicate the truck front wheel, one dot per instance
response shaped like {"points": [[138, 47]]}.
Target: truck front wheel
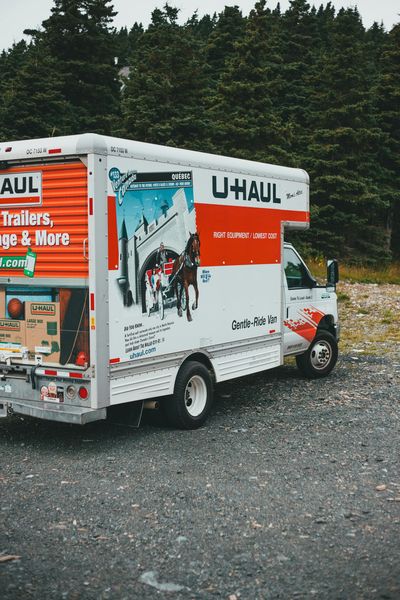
{"points": [[321, 356], [191, 402]]}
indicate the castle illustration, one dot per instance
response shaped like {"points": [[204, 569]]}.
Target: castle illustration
{"points": [[138, 253]]}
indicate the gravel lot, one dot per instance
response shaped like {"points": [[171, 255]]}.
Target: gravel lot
{"points": [[291, 490]]}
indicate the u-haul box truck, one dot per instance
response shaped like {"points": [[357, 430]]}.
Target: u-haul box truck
{"points": [[131, 272]]}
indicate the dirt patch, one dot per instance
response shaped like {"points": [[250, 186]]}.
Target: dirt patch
{"points": [[370, 319]]}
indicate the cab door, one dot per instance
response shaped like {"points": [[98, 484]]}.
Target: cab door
{"points": [[299, 318]]}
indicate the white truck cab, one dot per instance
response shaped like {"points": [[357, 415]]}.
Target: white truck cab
{"points": [[311, 327]]}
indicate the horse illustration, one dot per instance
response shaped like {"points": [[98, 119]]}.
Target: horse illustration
{"points": [[184, 274]]}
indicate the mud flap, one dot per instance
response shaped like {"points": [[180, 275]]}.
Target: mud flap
{"points": [[3, 409], [128, 415]]}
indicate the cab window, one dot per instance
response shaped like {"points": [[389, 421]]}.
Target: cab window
{"points": [[296, 273]]}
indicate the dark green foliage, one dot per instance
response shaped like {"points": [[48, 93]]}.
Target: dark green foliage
{"points": [[78, 37], [165, 95], [388, 103], [228, 30], [203, 27], [35, 106], [244, 120], [126, 42], [11, 63], [345, 141], [306, 87]]}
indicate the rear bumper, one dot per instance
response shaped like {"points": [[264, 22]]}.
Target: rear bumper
{"points": [[53, 412]]}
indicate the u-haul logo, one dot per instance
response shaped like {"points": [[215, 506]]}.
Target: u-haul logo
{"points": [[43, 309], [8, 325], [21, 189]]}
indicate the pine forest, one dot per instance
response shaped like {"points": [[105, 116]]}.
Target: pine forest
{"points": [[308, 87]]}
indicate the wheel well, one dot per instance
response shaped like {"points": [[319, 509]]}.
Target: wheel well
{"points": [[203, 359], [327, 323]]}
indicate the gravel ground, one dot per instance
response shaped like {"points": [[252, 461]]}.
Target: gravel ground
{"points": [[370, 318], [291, 490]]}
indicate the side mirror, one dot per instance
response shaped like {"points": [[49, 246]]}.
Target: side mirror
{"points": [[332, 272]]}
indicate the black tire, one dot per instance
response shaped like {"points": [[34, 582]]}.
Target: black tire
{"points": [[193, 384], [321, 356]]}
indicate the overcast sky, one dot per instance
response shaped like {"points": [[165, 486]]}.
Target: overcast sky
{"points": [[17, 15]]}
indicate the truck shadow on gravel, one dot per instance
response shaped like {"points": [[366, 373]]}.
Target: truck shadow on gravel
{"points": [[234, 402]]}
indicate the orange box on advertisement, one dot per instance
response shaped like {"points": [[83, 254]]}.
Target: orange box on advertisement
{"points": [[12, 331], [43, 329]]}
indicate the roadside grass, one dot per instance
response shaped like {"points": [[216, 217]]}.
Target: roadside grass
{"points": [[369, 307], [369, 314], [358, 274], [369, 321]]}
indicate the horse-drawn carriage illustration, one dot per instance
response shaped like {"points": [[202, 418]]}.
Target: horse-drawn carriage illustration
{"points": [[159, 288], [167, 284]]}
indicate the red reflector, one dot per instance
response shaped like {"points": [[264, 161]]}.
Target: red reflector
{"points": [[76, 375], [55, 151], [90, 206], [50, 372], [83, 393], [114, 360], [272, 330], [8, 149], [91, 301]]}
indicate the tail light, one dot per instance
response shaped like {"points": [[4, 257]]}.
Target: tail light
{"points": [[83, 393]]}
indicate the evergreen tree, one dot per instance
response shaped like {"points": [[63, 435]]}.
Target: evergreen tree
{"points": [[299, 43], [36, 106], [122, 47], [388, 102], [228, 30], [125, 44], [348, 208], [325, 17], [202, 28], [244, 120], [78, 36], [164, 95], [11, 62]]}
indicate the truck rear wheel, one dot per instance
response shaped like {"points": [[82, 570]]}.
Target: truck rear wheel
{"points": [[321, 356], [191, 402]]}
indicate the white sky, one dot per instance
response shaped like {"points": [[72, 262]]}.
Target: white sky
{"points": [[17, 15]]}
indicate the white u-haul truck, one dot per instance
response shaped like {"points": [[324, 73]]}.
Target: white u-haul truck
{"points": [[131, 272]]}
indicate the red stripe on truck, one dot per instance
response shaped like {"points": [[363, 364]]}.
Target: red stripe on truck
{"points": [[113, 249], [240, 235]]}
